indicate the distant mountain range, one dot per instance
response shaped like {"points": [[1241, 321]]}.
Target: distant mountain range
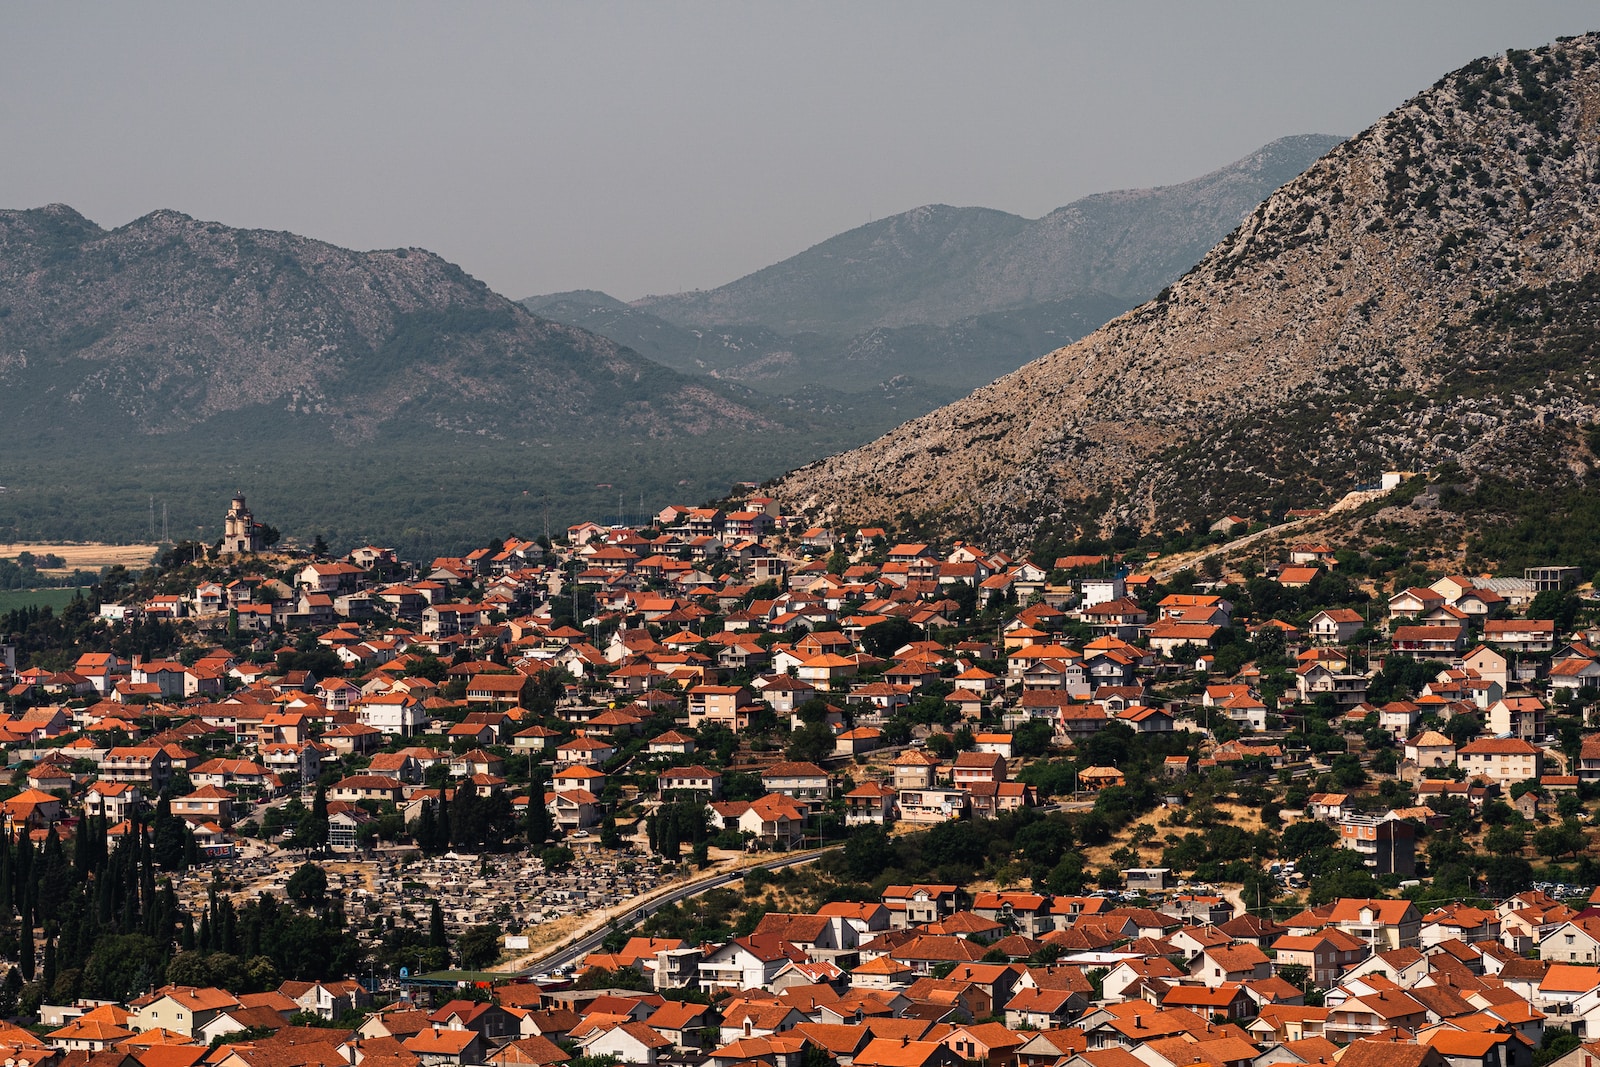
{"points": [[950, 296], [1425, 297], [363, 394], [388, 395]]}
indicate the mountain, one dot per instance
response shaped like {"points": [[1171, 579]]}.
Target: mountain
{"points": [[951, 297], [937, 265], [169, 323], [1424, 297], [373, 394], [953, 359]]}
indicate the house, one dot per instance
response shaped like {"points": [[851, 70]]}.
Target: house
{"points": [[1574, 941], [747, 963], [797, 779], [180, 1009], [1500, 761], [1386, 845], [1240, 963], [629, 1042], [1521, 635], [1383, 1008], [1431, 750], [916, 905], [328, 999], [1324, 954], [1414, 602], [358, 787], [436, 1047], [775, 820], [696, 781], [870, 802], [1518, 716], [726, 704], [1428, 640], [1390, 923]]}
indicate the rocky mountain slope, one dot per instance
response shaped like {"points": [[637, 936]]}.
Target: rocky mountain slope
{"points": [[169, 323], [1426, 296], [937, 265]]}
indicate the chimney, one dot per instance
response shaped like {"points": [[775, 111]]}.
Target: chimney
{"points": [[905, 1039]]}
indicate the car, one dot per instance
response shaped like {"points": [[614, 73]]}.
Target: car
{"points": [[581, 833]]}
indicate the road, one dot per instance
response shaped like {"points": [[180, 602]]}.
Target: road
{"points": [[574, 951], [1187, 561]]}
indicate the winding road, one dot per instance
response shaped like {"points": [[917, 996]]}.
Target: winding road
{"points": [[586, 943]]}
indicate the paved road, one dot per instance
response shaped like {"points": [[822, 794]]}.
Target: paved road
{"points": [[576, 950]]}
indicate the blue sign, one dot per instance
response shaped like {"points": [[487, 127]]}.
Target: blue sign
{"points": [[405, 972]]}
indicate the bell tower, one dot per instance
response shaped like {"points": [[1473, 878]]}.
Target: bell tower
{"points": [[240, 534]]}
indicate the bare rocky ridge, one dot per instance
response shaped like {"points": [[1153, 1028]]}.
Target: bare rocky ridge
{"points": [[169, 323], [1378, 311]]}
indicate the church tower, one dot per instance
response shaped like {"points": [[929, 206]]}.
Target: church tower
{"points": [[240, 533]]}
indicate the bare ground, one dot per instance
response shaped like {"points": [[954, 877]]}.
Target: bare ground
{"points": [[89, 556]]}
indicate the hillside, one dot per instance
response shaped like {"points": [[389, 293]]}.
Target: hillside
{"points": [[950, 297], [950, 360], [936, 265], [168, 323], [1424, 295], [371, 394]]}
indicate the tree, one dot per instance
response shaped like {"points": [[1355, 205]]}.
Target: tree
{"points": [[1507, 839], [1304, 837], [557, 858], [479, 946], [1504, 875], [436, 933], [169, 835], [1347, 770], [1032, 738], [308, 885], [866, 853], [1561, 839], [312, 831], [1296, 974], [882, 638], [811, 743]]}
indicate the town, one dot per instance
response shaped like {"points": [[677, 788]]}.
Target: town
{"points": [[269, 807]]}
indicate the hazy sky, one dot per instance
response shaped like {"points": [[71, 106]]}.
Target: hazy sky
{"points": [[654, 146]]}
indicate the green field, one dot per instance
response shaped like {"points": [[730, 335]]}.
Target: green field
{"points": [[11, 599]]}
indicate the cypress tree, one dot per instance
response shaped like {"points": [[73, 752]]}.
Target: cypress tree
{"points": [[82, 860], [25, 943], [7, 870], [436, 934], [48, 975], [425, 828]]}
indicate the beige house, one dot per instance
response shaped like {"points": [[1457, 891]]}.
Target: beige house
{"points": [[1503, 761], [1431, 749], [181, 1009]]}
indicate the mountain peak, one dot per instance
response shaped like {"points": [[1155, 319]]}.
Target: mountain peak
{"points": [[1356, 321], [938, 265]]}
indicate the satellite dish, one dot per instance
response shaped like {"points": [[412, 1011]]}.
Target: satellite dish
{"points": [[405, 972]]}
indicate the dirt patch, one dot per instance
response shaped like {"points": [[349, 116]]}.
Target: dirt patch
{"points": [[90, 556], [1247, 819]]}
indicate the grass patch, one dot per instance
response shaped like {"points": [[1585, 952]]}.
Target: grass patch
{"points": [[11, 599]]}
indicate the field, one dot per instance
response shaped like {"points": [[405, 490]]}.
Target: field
{"points": [[89, 557], [11, 599]]}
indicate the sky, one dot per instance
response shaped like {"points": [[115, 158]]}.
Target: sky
{"points": [[654, 147]]}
